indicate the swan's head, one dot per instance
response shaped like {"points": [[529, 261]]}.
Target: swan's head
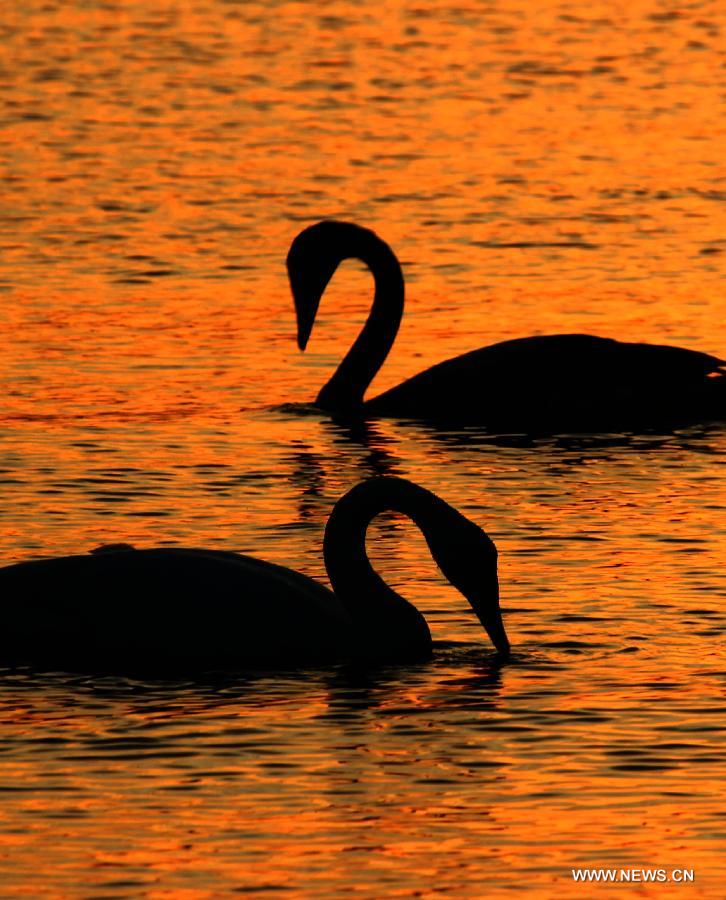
{"points": [[314, 256], [467, 556]]}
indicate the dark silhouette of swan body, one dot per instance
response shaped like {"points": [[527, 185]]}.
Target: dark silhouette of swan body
{"points": [[166, 610], [555, 383]]}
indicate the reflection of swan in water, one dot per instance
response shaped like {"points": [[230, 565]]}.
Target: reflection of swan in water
{"points": [[310, 468], [565, 382], [122, 609]]}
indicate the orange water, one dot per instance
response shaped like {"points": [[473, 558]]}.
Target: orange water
{"points": [[159, 157]]}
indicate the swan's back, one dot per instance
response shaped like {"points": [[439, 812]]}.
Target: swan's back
{"points": [[564, 382], [164, 608]]}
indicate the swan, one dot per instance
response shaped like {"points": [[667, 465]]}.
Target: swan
{"points": [[172, 609], [554, 383]]}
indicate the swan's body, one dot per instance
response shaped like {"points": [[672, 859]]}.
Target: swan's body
{"points": [[168, 610], [566, 382]]}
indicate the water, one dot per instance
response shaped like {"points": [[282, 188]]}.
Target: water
{"points": [[536, 170]]}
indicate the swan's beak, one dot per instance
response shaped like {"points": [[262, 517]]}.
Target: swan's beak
{"points": [[306, 303], [495, 629], [307, 284], [490, 615], [305, 320]]}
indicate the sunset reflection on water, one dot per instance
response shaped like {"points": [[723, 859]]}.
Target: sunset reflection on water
{"points": [[557, 169]]}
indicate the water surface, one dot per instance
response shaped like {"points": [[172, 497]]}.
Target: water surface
{"points": [[537, 170]]}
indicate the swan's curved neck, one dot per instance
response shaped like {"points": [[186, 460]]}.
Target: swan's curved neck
{"points": [[383, 616], [345, 390]]}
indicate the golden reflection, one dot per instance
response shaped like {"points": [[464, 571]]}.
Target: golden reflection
{"points": [[537, 170]]}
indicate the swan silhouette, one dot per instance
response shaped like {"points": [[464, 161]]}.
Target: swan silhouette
{"points": [[554, 383], [172, 609]]}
